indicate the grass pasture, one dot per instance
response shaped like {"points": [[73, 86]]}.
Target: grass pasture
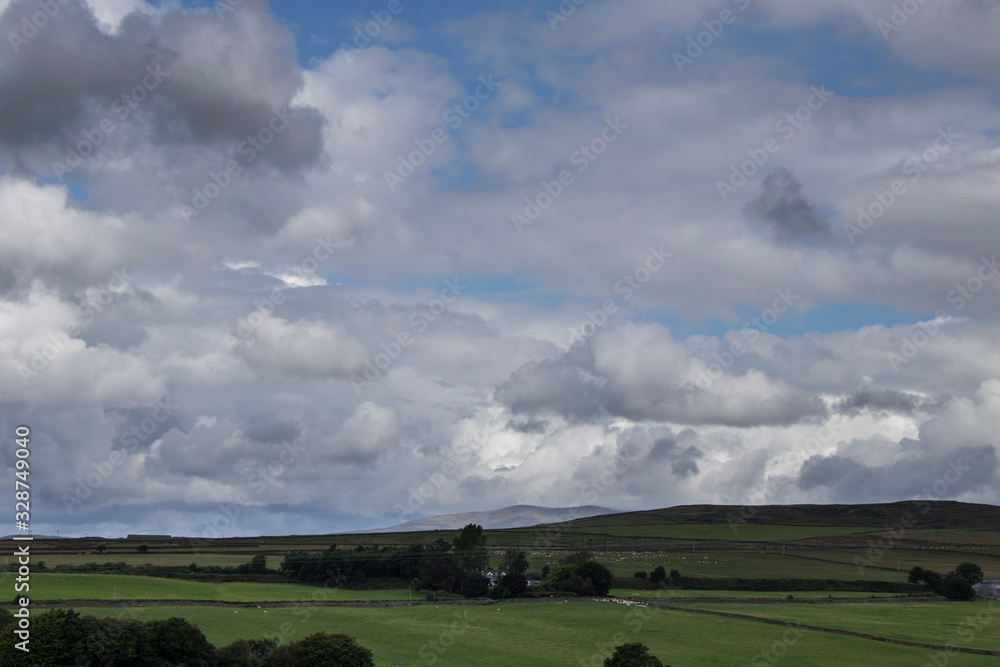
{"points": [[629, 593], [536, 635], [152, 558], [741, 563], [710, 532], [968, 624], [45, 586], [902, 560]]}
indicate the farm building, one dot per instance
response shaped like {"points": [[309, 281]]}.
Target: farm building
{"points": [[988, 588]]}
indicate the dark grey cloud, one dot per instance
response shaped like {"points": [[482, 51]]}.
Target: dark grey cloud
{"points": [[558, 386], [529, 425], [882, 401], [182, 81], [269, 430], [138, 428], [584, 390], [784, 211], [923, 473], [683, 459]]}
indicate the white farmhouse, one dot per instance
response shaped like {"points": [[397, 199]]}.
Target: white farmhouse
{"points": [[494, 576]]}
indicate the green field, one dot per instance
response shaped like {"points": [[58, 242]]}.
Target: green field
{"points": [[132, 558], [536, 635], [715, 531], [743, 562], [748, 564], [931, 622], [941, 560], [967, 539], [128, 587], [666, 594]]}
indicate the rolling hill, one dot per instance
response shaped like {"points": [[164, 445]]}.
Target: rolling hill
{"points": [[516, 516]]}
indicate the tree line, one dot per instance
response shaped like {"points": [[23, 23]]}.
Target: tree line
{"points": [[454, 567], [956, 585], [64, 637]]}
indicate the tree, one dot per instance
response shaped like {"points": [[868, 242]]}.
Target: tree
{"points": [[559, 578], [658, 575], [117, 642], [916, 575], [100, 548], [970, 571], [956, 587], [545, 571], [322, 648], [578, 558], [511, 585], [258, 564], [932, 580], [514, 561], [58, 636], [142, 548], [473, 585], [471, 558], [248, 653], [470, 549], [584, 577], [640, 574], [675, 575], [180, 643], [599, 576], [633, 654]]}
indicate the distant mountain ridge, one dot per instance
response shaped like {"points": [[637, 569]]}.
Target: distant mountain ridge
{"points": [[515, 516], [920, 514]]}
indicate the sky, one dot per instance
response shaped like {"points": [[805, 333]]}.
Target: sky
{"points": [[315, 267]]}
